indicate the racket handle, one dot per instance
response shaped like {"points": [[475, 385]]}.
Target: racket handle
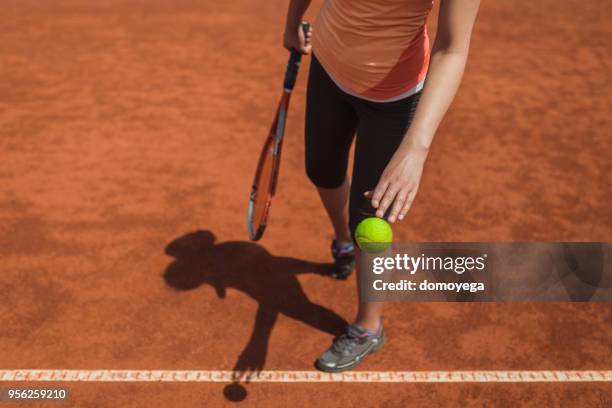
{"points": [[294, 63]]}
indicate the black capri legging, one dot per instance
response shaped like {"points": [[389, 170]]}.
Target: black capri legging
{"points": [[332, 119]]}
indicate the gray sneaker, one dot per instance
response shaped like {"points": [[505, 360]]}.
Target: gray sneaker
{"points": [[349, 349]]}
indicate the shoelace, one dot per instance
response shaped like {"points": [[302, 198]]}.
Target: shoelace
{"points": [[344, 343], [347, 341]]}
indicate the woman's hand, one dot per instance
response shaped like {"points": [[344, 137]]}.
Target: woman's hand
{"points": [[398, 184], [294, 39]]}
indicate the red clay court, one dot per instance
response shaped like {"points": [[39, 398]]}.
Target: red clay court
{"points": [[127, 132]]}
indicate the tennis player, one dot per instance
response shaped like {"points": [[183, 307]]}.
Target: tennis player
{"points": [[372, 75]]}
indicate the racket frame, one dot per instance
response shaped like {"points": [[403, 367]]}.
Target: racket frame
{"points": [[274, 141]]}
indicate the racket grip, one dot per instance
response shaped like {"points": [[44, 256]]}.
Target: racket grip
{"points": [[294, 63]]}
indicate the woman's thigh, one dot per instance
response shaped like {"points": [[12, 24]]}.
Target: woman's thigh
{"points": [[381, 129], [330, 127]]}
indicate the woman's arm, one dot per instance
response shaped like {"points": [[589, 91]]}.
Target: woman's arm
{"points": [[294, 37], [399, 182]]}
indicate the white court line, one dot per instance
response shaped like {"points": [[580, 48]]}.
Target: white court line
{"points": [[307, 376]]}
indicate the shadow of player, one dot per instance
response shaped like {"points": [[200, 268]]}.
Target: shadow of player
{"points": [[270, 280]]}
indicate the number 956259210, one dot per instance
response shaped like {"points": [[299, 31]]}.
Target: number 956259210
{"points": [[14, 394]]}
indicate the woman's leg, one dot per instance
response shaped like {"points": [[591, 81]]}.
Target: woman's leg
{"points": [[382, 127], [380, 131], [369, 314], [330, 127], [335, 201]]}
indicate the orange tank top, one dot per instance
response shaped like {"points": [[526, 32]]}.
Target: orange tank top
{"points": [[374, 49]]}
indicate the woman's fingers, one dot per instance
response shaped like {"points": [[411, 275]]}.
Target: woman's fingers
{"points": [[407, 204], [305, 41], [386, 200], [379, 191], [396, 199], [398, 204]]}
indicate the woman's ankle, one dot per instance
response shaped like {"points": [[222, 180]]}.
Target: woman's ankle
{"points": [[371, 325], [341, 243], [343, 239]]}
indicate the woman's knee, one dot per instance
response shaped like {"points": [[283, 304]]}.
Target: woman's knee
{"points": [[324, 176]]}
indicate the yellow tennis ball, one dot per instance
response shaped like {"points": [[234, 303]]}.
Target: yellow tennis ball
{"points": [[373, 235]]}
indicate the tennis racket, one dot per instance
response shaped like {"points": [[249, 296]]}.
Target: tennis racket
{"points": [[266, 174]]}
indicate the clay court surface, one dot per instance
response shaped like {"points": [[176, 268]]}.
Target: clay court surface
{"points": [[129, 132]]}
